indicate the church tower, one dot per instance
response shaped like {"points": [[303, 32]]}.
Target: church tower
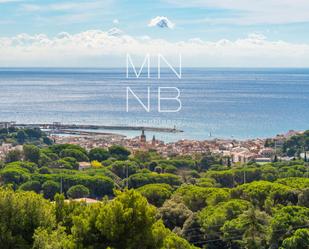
{"points": [[153, 142], [143, 137]]}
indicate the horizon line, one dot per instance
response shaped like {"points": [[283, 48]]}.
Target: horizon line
{"points": [[186, 67]]}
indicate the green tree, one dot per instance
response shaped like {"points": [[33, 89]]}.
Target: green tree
{"points": [[165, 239], [44, 160], [13, 156], [127, 221], [14, 175], [207, 161], [213, 218], [47, 140], [286, 220], [31, 186], [44, 170], [140, 179], [21, 136], [31, 153], [56, 239], [124, 222], [98, 154], [119, 152], [156, 194], [34, 134], [78, 191], [173, 241], [65, 163], [299, 240], [142, 156], [303, 198], [252, 225], [30, 167], [21, 213], [77, 154], [124, 168], [174, 212], [50, 188], [192, 230], [229, 163], [196, 197], [224, 178], [261, 192]]}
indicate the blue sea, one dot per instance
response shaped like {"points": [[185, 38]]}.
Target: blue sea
{"points": [[221, 103]]}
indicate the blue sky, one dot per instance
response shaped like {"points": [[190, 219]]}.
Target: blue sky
{"points": [[211, 21], [174, 21]]}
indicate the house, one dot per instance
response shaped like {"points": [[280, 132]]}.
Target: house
{"points": [[263, 160], [85, 200], [267, 153], [84, 165]]}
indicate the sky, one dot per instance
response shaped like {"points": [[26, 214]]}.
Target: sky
{"points": [[226, 33]]}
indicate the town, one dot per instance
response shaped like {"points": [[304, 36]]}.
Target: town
{"points": [[237, 151]]}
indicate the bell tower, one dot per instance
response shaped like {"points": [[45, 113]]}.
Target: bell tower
{"points": [[143, 137]]}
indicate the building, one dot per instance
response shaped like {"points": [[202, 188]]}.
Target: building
{"points": [[143, 137], [87, 201], [153, 142], [263, 160], [6, 125], [267, 153], [84, 165]]}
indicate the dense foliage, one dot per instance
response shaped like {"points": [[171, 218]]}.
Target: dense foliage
{"points": [[146, 201], [21, 136]]}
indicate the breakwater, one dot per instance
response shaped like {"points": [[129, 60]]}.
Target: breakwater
{"points": [[60, 126]]}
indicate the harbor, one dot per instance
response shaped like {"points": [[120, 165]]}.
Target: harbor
{"points": [[57, 127]]}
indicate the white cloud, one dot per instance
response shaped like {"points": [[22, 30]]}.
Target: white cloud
{"points": [[247, 12], [161, 22], [100, 48], [115, 21], [9, 1], [115, 32]]}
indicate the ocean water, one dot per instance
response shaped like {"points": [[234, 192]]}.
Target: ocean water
{"points": [[223, 103]]}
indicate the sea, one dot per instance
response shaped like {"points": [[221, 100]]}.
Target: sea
{"points": [[205, 103]]}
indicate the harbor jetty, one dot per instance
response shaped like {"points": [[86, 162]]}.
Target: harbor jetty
{"points": [[70, 127]]}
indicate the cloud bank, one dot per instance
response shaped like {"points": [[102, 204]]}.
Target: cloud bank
{"points": [[248, 12], [161, 22], [109, 48]]}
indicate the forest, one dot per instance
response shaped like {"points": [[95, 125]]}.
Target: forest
{"points": [[145, 201]]}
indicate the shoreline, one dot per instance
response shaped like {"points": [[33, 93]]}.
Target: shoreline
{"points": [[57, 128], [60, 126]]}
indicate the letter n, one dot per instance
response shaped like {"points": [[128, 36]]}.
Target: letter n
{"points": [[147, 108]]}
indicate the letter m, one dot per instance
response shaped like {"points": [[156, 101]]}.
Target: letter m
{"points": [[137, 74]]}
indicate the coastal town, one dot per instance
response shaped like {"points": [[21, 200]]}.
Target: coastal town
{"points": [[238, 151]]}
